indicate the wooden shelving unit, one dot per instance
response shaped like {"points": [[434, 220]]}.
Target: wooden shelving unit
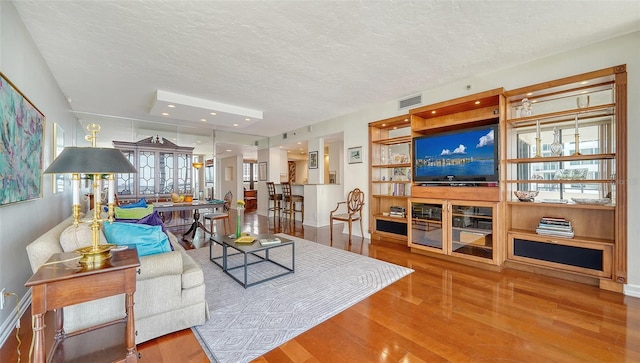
{"points": [[389, 176], [592, 164], [598, 248]]}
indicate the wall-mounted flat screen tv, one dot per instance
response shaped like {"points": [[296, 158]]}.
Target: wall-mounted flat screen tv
{"points": [[464, 156]]}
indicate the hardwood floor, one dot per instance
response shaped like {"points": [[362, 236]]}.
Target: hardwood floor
{"points": [[441, 312]]}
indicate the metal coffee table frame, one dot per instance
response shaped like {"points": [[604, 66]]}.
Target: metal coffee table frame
{"points": [[247, 250]]}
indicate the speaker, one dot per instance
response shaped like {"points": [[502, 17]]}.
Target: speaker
{"points": [[391, 227]]}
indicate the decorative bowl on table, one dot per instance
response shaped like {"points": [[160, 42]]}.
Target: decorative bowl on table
{"points": [[526, 195]]}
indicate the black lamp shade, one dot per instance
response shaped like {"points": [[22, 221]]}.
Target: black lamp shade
{"points": [[90, 160]]}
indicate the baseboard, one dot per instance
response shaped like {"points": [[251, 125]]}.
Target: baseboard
{"points": [[8, 325], [632, 290]]}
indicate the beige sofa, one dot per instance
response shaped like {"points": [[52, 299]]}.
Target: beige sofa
{"points": [[170, 291]]}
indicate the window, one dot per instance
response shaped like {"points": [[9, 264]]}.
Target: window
{"points": [[250, 172]]}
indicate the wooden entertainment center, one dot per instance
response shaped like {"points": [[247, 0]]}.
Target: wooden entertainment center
{"points": [[483, 224]]}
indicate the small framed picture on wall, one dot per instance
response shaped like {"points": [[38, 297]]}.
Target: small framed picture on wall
{"points": [[313, 160], [355, 155]]}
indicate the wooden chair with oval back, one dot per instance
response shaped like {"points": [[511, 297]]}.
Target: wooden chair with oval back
{"points": [[354, 204], [224, 214]]}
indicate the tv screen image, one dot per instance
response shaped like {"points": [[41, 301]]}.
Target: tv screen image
{"points": [[460, 156]]}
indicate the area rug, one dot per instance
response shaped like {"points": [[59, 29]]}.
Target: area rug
{"points": [[247, 323]]}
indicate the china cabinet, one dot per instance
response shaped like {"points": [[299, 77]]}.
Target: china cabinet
{"points": [[163, 168]]}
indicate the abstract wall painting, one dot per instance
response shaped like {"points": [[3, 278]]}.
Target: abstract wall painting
{"points": [[21, 146]]}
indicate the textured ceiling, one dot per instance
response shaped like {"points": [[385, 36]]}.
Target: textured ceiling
{"points": [[299, 62]]}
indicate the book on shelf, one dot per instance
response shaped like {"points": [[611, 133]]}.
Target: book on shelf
{"points": [[555, 227], [555, 221], [269, 241], [547, 232]]}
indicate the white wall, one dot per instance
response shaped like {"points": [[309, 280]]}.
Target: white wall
{"points": [[21, 223]]}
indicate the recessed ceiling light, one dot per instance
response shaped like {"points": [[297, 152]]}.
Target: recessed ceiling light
{"points": [[584, 82], [299, 142], [228, 150], [477, 102], [247, 119], [383, 125], [212, 114], [433, 112], [529, 94], [171, 106], [406, 120], [395, 127], [534, 101], [165, 114], [236, 125], [203, 119]]}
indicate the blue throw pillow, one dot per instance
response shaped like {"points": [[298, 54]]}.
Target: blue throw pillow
{"points": [[152, 219], [142, 203], [149, 240]]}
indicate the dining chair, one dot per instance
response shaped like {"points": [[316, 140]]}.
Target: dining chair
{"points": [[224, 214]]}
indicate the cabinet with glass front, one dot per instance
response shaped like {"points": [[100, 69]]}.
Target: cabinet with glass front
{"points": [[458, 228], [390, 176], [163, 168], [566, 159]]}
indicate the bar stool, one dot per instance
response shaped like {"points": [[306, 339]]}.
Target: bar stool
{"points": [[275, 198], [290, 201]]}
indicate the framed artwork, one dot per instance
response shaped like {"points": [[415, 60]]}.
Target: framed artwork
{"points": [[262, 171], [313, 160], [355, 155], [332, 177], [21, 139], [58, 146]]}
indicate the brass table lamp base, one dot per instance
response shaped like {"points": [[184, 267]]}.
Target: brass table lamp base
{"points": [[95, 257]]}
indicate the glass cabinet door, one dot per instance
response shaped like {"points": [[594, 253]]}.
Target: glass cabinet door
{"points": [[426, 225], [472, 230], [165, 171], [146, 173], [125, 182]]}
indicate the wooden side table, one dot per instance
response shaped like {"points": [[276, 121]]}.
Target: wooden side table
{"points": [[61, 282]]}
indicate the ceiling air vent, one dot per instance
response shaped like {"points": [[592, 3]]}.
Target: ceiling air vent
{"points": [[410, 101], [284, 136]]}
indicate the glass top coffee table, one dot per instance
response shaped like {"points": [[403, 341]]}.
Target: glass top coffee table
{"points": [[236, 258]]}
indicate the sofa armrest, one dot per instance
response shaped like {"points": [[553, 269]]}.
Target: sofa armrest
{"points": [[161, 264]]}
